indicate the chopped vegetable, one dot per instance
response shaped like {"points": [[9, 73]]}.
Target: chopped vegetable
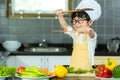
{"points": [[51, 74], [80, 71], [32, 72], [7, 70], [20, 69], [70, 69], [44, 70]]}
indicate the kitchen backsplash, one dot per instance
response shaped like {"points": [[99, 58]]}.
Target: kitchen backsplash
{"points": [[34, 30]]}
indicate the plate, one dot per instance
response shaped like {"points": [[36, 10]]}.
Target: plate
{"points": [[36, 78], [3, 77]]}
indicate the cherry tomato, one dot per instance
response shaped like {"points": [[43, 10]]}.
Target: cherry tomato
{"points": [[20, 69]]}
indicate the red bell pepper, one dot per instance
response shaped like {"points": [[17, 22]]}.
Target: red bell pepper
{"points": [[103, 72]]}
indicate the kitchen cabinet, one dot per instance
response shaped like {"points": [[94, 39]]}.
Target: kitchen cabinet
{"points": [[23, 61], [103, 59], [57, 60], [40, 61], [11, 61], [28, 61]]}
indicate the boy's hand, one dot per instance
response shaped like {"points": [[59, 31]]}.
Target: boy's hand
{"points": [[59, 12], [87, 30]]}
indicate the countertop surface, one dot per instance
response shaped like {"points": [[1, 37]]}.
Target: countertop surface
{"points": [[75, 78], [101, 50], [70, 76], [87, 77]]}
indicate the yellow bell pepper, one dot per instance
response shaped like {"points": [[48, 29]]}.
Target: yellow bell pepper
{"points": [[60, 71], [110, 64]]}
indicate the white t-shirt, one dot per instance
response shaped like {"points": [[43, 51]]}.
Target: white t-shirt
{"points": [[91, 42]]}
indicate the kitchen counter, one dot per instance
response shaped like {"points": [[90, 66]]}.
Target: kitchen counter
{"points": [[87, 76], [69, 76], [75, 78], [65, 78], [100, 51], [97, 53]]}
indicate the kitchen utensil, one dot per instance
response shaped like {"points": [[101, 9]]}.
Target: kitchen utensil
{"points": [[113, 44], [84, 9], [64, 31], [5, 77], [36, 78], [11, 45], [70, 11], [61, 31]]}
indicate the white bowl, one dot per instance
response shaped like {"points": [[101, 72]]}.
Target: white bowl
{"points": [[11, 45]]}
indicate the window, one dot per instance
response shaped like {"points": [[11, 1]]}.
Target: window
{"points": [[36, 8]]}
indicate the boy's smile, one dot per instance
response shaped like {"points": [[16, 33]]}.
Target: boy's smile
{"points": [[79, 23]]}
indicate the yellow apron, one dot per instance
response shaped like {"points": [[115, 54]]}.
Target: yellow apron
{"points": [[80, 54]]}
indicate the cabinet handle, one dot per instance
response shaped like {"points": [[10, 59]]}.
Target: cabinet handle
{"points": [[47, 63], [41, 63]]}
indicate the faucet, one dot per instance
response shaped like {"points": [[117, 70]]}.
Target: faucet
{"points": [[43, 43]]}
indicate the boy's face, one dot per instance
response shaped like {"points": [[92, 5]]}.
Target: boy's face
{"points": [[80, 23]]}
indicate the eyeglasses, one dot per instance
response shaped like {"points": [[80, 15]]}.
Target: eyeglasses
{"points": [[80, 21]]}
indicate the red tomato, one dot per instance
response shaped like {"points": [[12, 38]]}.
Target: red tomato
{"points": [[20, 69]]}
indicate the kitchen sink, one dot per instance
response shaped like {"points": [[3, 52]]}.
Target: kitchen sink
{"points": [[47, 49]]}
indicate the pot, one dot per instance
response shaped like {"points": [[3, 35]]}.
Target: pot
{"points": [[113, 44]]}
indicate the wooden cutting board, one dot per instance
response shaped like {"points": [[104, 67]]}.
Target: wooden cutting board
{"points": [[86, 74]]}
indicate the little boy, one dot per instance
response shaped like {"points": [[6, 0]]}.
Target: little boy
{"points": [[84, 37]]}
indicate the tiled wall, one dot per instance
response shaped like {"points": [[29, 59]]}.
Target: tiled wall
{"points": [[34, 30]]}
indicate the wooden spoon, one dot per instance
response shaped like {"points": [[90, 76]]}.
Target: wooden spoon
{"points": [[61, 31], [84, 9]]}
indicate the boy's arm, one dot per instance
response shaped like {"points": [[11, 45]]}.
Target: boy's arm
{"points": [[62, 21]]}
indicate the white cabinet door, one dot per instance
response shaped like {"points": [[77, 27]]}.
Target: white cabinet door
{"points": [[11, 61], [40, 61], [28, 61], [52, 61]]}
